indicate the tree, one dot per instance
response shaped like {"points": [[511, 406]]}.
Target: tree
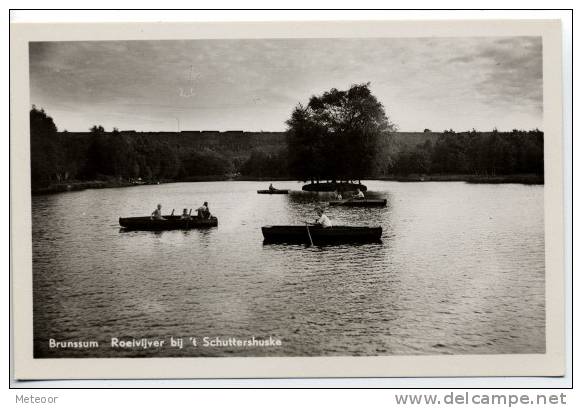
{"points": [[205, 163], [336, 135], [262, 164], [99, 154], [305, 161], [46, 154], [97, 129]]}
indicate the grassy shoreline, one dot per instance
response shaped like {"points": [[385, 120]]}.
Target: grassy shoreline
{"points": [[532, 179]]}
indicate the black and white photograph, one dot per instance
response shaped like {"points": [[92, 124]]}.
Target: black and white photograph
{"points": [[288, 197]]}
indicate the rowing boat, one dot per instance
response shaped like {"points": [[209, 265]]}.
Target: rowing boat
{"points": [[319, 235], [170, 222], [272, 191], [360, 202]]}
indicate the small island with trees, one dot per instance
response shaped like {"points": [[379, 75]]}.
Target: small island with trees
{"points": [[332, 143], [335, 138]]}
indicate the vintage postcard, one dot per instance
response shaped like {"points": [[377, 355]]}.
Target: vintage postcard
{"points": [[338, 199]]}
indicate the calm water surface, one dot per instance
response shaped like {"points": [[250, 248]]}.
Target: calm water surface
{"points": [[460, 271]]}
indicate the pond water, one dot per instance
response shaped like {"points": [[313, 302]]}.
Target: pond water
{"points": [[460, 270]]}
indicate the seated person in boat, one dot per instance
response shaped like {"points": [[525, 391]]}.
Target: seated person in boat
{"points": [[338, 195], [359, 194], [203, 211], [157, 214], [271, 188], [323, 220], [185, 215]]}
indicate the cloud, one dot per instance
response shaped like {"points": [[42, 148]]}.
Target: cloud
{"points": [[424, 82], [512, 71]]}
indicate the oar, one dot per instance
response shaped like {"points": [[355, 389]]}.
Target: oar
{"points": [[308, 233], [172, 212], [189, 218]]}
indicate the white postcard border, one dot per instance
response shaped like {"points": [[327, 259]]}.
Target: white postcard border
{"points": [[552, 363]]}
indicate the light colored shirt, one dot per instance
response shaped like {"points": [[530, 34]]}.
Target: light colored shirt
{"points": [[157, 214], [359, 195], [324, 221]]}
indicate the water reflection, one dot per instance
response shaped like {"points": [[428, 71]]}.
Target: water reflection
{"points": [[460, 270], [303, 205]]}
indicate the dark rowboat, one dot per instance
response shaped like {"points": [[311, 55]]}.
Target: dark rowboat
{"points": [[361, 202], [272, 191], [320, 235], [171, 222], [334, 187]]}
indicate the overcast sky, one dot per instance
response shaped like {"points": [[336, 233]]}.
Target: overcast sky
{"points": [[435, 83]]}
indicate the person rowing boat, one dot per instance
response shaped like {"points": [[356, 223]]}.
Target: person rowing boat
{"points": [[323, 219], [359, 195], [157, 214], [203, 211], [185, 215]]}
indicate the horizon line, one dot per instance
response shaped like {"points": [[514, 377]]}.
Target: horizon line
{"points": [[284, 131]]}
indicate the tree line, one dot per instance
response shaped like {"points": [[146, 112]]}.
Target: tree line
{"points": [[473, 153], [60, 157], [477, 153]]}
